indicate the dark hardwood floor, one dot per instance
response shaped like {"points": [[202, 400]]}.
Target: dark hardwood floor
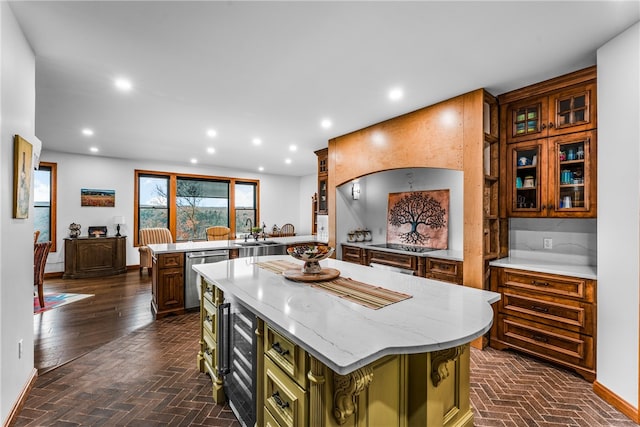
{"points": [[120, 305], [138, 372]]}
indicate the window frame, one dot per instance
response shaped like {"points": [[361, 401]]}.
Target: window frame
{"points": [[171, 199], [53, 204]]}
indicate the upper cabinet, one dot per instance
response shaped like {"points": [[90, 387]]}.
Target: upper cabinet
{"points": [[323, 180], [549, 155]]}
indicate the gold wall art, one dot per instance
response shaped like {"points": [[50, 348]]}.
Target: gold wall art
{"points": [[22, 172]]}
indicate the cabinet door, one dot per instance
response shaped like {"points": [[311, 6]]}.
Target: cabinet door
{"points": [[322, 195], [572, 110], [572, 180], [170, 289], [527, 177], [527, 119]]}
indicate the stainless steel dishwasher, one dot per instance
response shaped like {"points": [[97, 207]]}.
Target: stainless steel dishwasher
{"points": [[191, 287]]}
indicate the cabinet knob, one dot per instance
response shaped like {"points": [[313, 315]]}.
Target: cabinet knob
{"points": [[543, 126], [551, 125]]}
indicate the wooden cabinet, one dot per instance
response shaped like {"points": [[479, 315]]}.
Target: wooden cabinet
{"points": [[167, 284], [323, 180], [94, 256], [550, 151], [549, 316], [210, 299], [553, 177], [392, 259], [444, 269], [354, 254]]}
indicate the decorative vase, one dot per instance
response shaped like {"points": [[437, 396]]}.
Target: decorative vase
{"points": [[74, 230]]}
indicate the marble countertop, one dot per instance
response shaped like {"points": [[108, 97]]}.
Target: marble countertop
{"points": [[441, 253], [344, 335], [546, 266], [213, 245]]}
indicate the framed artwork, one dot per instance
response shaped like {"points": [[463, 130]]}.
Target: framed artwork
{"points": [[22, 172], [419, 218], [98, 231], [101, 198]]}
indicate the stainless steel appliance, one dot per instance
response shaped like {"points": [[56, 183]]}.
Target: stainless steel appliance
{"points": [[238, 352], [191, 285]]}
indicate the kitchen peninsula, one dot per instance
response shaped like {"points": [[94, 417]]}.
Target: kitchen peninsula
{"points": [[323, 360]]}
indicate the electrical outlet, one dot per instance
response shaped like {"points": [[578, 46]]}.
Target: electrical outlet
{"points": [[547, 243], [20, 349]]}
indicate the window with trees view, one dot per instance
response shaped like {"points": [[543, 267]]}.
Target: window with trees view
{"points": [[188, 204], [44, 203]]}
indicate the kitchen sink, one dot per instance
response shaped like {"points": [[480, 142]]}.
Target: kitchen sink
{"points": [[258, 243]]}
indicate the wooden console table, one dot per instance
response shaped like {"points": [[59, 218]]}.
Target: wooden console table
{"points": [[94, 256]]}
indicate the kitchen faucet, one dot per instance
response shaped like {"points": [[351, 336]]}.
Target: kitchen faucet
{"points": [[248, 221]]}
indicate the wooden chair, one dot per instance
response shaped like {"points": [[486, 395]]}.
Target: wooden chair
{"points": [[150, 236], [40, 253], [287, 230], [218, 232], [36, 234]]}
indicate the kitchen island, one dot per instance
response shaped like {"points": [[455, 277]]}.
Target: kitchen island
{"points": [[325, 360]]}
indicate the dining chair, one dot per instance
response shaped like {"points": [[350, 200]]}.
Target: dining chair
{"points": [[152, 235], [287, 230], [218, 232], [40, 253]]}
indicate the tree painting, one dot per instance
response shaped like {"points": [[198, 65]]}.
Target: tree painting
{"points": [[419, 218]]}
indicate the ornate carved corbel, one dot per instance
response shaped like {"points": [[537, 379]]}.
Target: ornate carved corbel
{"points": [[439, 359], [346, 389]]}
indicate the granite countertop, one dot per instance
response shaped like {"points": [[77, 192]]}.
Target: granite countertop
{"points": [[345, 335], [212, 245], [440, 253], [546, 266]]}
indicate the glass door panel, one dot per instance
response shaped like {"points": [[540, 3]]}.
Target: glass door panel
{"points": [[571, 171], [526, 186]]}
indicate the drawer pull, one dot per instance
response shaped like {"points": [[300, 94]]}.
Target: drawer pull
{"points": [[540, 338], [208, 352], [207, 318], [281, 403], [281, 351], [539, 283], [540, 309]]}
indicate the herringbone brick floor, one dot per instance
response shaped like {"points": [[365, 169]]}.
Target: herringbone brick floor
{"points": [[149, 378]]}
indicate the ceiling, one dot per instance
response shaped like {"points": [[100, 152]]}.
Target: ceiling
{"points": [[274, 70]]}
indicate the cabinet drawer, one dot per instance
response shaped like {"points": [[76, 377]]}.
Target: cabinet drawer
{"points": [[352, 254], [171, 260], [269, 421], [564, 286], [443, 269], [209, 350], [210, 318], [548, 342], [283, 398], [211, 293], [408, 262], [569, 314], [287, 355]]}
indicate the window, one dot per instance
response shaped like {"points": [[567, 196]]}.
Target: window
{"points": [[188, 204], [200, 203], [44, 202], [245, 203]]}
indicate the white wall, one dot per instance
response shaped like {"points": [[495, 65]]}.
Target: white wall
{"points": [[282, 198], [17, 112], [619, 213], [370, 211]]}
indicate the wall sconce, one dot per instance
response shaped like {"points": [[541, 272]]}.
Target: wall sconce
{"points": [[355, 190]]}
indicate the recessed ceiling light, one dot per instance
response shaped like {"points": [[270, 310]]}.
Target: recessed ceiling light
{"points": [[123, 84], [396, 94], [194, 161], [287, 161], [293, 147], [93, 149], [87, 132], [326, 123], [211, 150], [257, 141], [260, 168], [211, 133]]}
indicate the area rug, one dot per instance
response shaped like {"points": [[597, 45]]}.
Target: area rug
{"points": [[56, 300]]}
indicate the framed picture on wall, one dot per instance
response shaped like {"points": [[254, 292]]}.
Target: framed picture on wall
{"points": [[22, 171], [419, 218], [101, 198]]}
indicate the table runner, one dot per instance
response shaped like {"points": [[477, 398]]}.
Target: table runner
{"points": [[370, 296]]}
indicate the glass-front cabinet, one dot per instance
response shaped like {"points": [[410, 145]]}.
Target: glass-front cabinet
{"points": [[553, 177]]}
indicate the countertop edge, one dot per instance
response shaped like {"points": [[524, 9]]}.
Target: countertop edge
{"points": [[447, 254], [539, 266]]}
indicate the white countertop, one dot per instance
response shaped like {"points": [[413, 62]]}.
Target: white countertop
{"points": [[546, 266], [212, 245], [344, 335], [440, 253]]}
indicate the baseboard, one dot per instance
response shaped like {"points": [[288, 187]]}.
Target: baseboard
{"points": [[53, 275], [617, 402], [133, 267], [17, 407]]}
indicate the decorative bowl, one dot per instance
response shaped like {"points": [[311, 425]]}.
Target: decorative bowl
{"points": [[311, 255]]}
